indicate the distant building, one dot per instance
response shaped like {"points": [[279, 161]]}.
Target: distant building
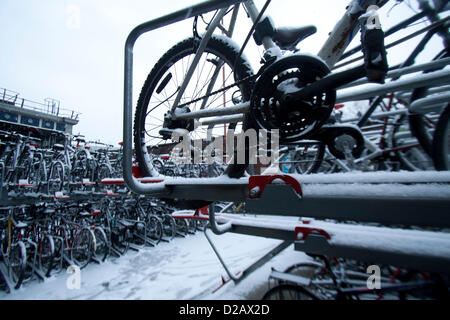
{"points": [[44, 119]]}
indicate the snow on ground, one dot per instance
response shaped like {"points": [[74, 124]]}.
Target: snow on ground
{"points": [[184, 268]]}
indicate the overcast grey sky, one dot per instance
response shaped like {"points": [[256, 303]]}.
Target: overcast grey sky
{"points": [[72, 50]]}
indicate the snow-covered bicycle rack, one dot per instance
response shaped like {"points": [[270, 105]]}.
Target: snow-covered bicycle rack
{"points": [[384, 218], [403, 199]]}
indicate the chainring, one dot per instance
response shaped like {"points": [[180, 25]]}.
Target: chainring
{"points": [[272, 106]]}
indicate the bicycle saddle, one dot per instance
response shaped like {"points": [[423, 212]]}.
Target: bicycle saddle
{"points": [[57, 146], [287, 38]]}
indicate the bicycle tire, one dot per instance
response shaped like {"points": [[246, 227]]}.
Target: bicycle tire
{"points": [[17, 263], [182, 227], [82, 247], [289, 292], [102, 244], [58, 259], [413, 158], [220, 47], [168, 226], [418, 122], [441, 141], [120, 239], [46, 253], [154, 228], [325, 288]]}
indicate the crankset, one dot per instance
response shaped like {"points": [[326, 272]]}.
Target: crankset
{"points": [[273, 107]]}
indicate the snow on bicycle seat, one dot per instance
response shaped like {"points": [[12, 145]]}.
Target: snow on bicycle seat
{"points": [[288, 37]]}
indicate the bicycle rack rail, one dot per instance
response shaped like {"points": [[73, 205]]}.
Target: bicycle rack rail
{"points": [[394, 200]]}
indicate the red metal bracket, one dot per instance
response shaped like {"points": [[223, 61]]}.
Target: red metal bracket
{"points": [[256, 184], [306, 231]]}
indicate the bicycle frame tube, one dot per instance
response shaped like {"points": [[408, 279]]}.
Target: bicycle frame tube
{"points": [[345, 30]]}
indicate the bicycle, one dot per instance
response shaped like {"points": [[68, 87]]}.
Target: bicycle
{"points": [[253, 94], [409, 153], [74, 242], [330, 278], [13, 249]]}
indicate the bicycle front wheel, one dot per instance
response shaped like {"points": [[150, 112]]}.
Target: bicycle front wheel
{"points": [[220, 66]]}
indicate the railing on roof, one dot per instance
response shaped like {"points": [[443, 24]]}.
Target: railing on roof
{"points": [[52, 106]]}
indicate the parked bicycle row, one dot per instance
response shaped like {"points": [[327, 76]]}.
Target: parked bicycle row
{"points": [[42, 239], [333, 278], [76, 165]]}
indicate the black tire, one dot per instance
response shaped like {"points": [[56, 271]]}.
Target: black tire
{"points": [[46, 253], [17, 263], [154, 228], [101, 244], [121, 238], [289, 292], [82, 247], [413, 158], [420, 124], [168, 226], [322, 283], [441, 141], [159, 77], [182, 227]]}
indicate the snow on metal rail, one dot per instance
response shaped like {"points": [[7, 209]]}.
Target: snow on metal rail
{"points": [[415, 249], [409, 198]]}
